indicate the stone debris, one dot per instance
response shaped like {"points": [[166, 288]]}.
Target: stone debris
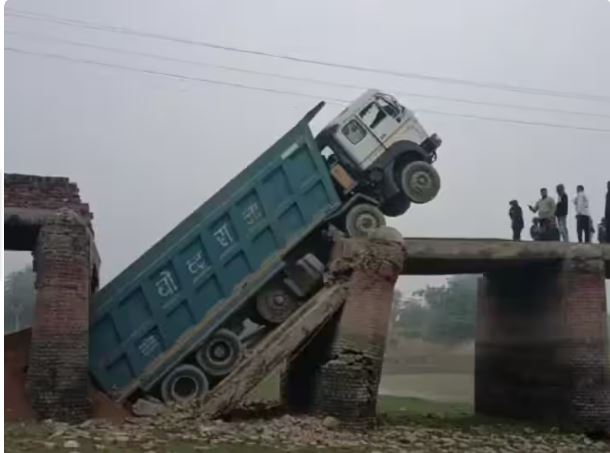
{"points": [[331, 422], [289, 432], [147, 407], [71, 444]]}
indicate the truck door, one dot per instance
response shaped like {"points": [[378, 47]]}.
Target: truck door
{"points": [[382, 118], [357, 140], [379, 117]]}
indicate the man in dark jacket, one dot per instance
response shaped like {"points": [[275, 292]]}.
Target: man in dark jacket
{"points": [[607, 214], [561, 213], [516, 219]]}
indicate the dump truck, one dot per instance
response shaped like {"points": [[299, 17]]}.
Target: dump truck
{"points": [[173, 323]]}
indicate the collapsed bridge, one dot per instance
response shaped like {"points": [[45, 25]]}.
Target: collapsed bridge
{"points": [[541, 341]]}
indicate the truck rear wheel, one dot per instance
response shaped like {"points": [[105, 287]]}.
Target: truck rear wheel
{"points": [[274, 305], [220, 353], [184, 383], [420, 182], [362, 219]]}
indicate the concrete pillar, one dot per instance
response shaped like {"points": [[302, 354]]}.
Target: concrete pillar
{"points": [[58, 377], [338, 373], [541, 350]]}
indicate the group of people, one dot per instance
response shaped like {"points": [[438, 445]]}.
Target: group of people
{"points": [[551, 222]]}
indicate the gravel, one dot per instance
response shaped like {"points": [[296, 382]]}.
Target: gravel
{"points": [[289, 432]]}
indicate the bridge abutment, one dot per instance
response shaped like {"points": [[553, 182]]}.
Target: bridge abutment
{"points": [[541, 344]]}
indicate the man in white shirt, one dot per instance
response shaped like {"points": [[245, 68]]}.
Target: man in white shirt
{"points": [[583, 215], [545, 207]]}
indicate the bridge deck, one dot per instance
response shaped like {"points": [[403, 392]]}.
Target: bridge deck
{"points": [[431, 256]]}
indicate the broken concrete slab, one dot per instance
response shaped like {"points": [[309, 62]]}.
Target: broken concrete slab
{"points": [[275, 348]]}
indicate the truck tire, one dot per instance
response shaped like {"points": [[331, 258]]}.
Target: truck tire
{"points": [[184, 383], [274, 305], [362, 219], [395, 206], [220, 353], [420, 182]]}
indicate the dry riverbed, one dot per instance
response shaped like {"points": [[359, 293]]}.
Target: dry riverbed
{"points": [[398, 432]]}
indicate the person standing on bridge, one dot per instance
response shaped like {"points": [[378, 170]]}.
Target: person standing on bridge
{"points": [[545, 207], [561, 213], [583, 215], [516, 219]]}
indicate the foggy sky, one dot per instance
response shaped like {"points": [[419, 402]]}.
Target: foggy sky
{"points": [[147, 150]]}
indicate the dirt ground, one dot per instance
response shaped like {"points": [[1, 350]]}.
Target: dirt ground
{"points": [[417, 369], [413, 356], [446, 387]]}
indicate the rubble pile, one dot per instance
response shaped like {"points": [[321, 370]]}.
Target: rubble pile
{"points": [[158, 434]]}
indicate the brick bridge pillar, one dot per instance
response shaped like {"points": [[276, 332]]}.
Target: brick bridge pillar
{"points": [[541, 345], [338, 373], [58, 376]]}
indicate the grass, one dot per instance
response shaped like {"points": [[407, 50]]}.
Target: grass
{"points": [[396, 406], [399, 410]]}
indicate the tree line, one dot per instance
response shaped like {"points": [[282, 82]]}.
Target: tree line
{"points": [[439, 314], [19, 300]]}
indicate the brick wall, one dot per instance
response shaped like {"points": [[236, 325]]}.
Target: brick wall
{"points": [[347, 371], [584, 358], [58, 370], [43, 192], [541, 345]]}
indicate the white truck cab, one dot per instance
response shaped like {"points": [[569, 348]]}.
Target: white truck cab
{"points": [[378, 148]]}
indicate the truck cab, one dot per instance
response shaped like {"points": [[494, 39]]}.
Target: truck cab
{"points": [[378, 148]]}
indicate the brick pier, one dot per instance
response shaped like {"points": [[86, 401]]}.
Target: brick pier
{"points": [[541, 345], [338, 373], [58, 374], [46, 216]]}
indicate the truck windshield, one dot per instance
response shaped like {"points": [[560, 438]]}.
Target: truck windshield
{"points": [[354, 132], [372, 115], [388, 107]]}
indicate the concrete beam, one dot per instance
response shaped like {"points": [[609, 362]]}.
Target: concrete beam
{"points": [[430, 256]]}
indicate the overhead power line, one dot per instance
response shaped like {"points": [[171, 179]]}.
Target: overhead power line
{"points": [[300, 79], [173, 75], [331, 100], [30, 15]]}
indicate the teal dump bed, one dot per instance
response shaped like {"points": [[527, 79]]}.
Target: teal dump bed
{"points": [[162, 306]]}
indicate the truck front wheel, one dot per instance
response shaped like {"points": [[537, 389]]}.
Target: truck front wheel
{"points": [[363, 219], [420, 182], [184, 383], [220, 353]]}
